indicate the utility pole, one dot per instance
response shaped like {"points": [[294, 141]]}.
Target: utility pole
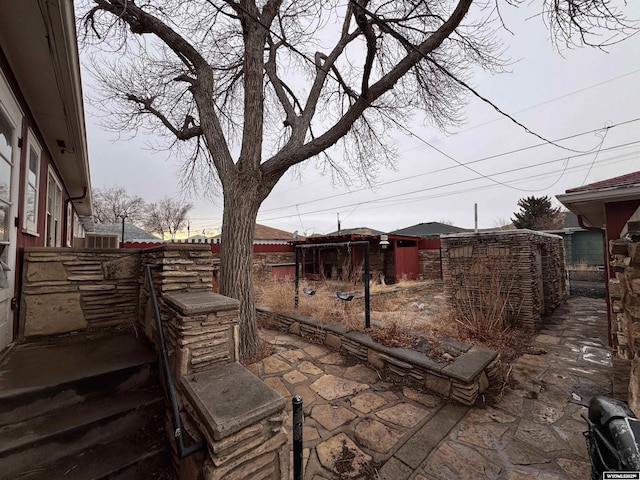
{"points": [[122, 239], [338, 214], [475, 208]]}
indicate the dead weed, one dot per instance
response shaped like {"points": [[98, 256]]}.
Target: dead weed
{"points": [[407, 311]]}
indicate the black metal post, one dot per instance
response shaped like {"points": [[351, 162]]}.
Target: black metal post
{"points": [[367, 303], [122, 240], [297, 437], [295, 302], [363, 243]]}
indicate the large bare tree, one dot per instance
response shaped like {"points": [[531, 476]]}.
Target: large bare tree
{"points": [[166, 216], [112, 203], [249, 89]]}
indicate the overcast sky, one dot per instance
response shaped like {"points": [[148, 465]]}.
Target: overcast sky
{"points": [[577, 94]]}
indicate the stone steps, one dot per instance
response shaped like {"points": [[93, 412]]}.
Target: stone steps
{"points": [[82, 407]]}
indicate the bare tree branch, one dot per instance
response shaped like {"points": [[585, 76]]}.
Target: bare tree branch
{"points": [[249, 89]]}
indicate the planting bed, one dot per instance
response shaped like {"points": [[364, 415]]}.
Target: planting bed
{"points": [[463, 375]]}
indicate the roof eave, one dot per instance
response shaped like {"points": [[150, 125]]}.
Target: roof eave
{"points": [[47, 68], [589, 204]]}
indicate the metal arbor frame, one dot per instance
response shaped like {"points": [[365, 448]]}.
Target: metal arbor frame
{"points": [[363, 243]]}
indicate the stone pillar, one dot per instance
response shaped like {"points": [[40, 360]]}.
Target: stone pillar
{"points": [[182, 268], [242, 420], [624, 293], [202, 330]]}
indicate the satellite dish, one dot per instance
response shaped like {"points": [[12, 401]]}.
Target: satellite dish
{"points": [[295, 235]]}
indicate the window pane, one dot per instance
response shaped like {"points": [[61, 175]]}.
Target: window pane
{"points": [[50, 196], [6, 132], [33, 167], [4, 223], [30, 209], [5, 180]]}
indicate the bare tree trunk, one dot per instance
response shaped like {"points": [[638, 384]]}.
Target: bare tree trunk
{"points": [[236, 261]]}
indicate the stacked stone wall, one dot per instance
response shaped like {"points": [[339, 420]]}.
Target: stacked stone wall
{"points": [[184, 267], [464, 380], [430, 264], [624, 295], [521, 269], [262, 262], [66, 290], [201, 331], [181, 268]]}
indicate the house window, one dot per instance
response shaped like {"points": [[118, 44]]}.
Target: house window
{"points": [[32, 182], [69, 222], [6, 142], [78, 228], [54, 211]]}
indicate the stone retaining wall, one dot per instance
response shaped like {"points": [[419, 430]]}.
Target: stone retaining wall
{"points": [[65, 290], [462, 380], [624, 292]]}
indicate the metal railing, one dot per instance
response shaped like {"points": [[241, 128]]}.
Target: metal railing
{"points": [[183, 451]]}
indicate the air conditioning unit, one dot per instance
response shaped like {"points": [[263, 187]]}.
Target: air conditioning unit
{"points": [[101, 240]]}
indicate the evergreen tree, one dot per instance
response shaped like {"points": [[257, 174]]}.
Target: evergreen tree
{"points": [[537, 213]]}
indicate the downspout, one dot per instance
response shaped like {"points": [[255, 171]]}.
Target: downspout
{"points": [[607, 275], [71, 200]]}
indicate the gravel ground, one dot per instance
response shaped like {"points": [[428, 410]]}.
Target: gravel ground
{"points": [[587, 289]]}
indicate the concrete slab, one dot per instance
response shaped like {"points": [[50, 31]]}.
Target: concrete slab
{"points": [[192, 303], [598, 355], [38, 366], [231, 398], [420, 445]]}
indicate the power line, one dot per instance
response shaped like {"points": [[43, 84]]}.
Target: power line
{"points": [[575, 168], [460, 82], [551, 100], [466, 165], [409, 45], [458, 182], [439, 170]]}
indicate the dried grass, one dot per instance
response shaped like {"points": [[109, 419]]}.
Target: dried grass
{"points": [[483, 304], [408, 311], [389, 304]]}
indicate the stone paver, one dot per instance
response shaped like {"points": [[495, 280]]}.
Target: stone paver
{"points": [[359, 426]]}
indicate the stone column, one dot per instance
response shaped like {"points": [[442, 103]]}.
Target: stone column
{"points": [[201, 331], [624, 292], [242, 420]]}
